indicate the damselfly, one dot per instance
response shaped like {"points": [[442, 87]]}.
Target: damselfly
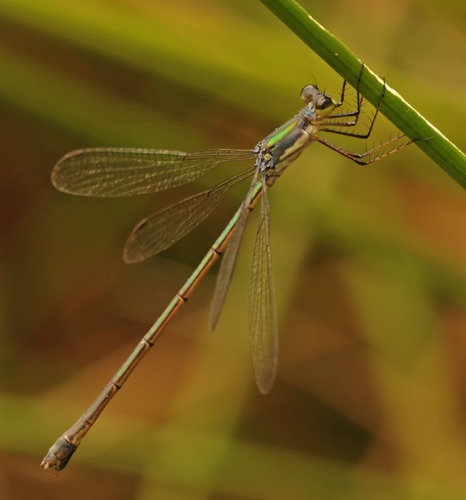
{"points": [[124, 172]]}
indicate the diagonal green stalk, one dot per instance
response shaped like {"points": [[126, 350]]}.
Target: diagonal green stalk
{"points": [[394, 107]]}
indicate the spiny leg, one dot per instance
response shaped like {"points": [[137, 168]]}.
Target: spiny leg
{"points": [[343, 88], [366, 157], [359, 100], [355, 113], [372, 155]]}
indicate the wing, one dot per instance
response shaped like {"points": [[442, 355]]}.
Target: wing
{"points": [[263, 332], [128, 171], [161, 230], [230, 256]]}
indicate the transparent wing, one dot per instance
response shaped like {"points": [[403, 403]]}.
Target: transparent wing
{"points": [[227, 267], [129, 171], [229, 258], [161, 230], [263, 332]]}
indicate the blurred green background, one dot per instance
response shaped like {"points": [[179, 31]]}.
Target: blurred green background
{"points": [[369, 263]]}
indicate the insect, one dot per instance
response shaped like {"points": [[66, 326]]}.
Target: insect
{"points": [[125, 171]]}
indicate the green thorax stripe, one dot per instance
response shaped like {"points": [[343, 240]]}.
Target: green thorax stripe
{"points": [[282, 131]]}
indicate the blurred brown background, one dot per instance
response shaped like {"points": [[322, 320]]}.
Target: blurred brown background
{"points": [[369, 263]]}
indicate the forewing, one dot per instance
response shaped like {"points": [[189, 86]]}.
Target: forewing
{"points": [[129, 171]]}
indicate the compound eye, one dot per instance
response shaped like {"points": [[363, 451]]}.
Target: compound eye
{"points": [[309, 93], [323, 102]]}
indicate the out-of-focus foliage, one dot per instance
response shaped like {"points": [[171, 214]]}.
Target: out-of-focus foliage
{"points": [[370, 263]]}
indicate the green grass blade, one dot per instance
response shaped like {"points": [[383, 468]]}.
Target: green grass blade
{"points": [[394, 107]]}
